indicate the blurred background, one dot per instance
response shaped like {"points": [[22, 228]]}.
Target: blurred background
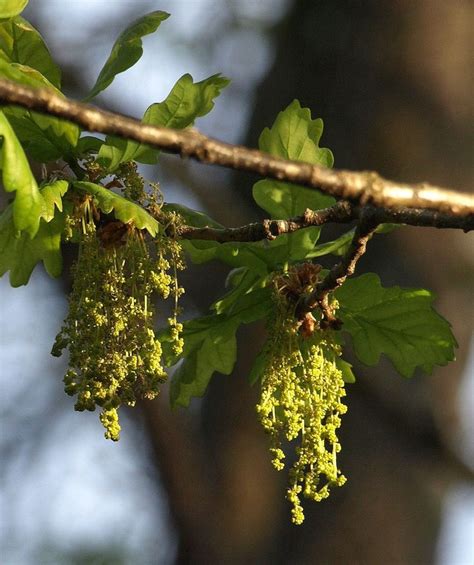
{"points": [[392, 81]]}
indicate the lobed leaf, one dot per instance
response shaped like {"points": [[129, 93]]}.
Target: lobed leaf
{"points": [[52, 194], [340, 245], [45, 138], [186, 102], [216, 351], [400, 323], [19, 254], [21, 43], [294, 135], [127, 50], [17, 177], [210, 345], [124, 210]]}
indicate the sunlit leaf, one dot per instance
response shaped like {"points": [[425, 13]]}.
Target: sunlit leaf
{"points": [[10, 8], [401, 323], [21, 43], [18, 178], [186, 102], [124, 210], [19, 254], [52, 194], [294, 135], [127, 50], [45, 138]]}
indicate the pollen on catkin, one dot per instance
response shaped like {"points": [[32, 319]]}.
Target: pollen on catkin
{"points": [[115, 358], [301, 401]]}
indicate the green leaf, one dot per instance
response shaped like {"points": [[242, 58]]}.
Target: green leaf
{"points": [[217, 351], [292, 247], [247, 280], [401, 323], [127, 50], [10, 8], [186, 102], [124, 210], [346, 370], [19, 253], [52, 194], [340, 245], [258, 367], [283, 200], [17, 177], [336, 247], [21, 43], [294, 135], [210, 345], [88, 144], [262, 256], [45, 138]]}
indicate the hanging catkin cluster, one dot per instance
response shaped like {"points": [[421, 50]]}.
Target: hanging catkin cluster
{"points": [[114, 356], [301, 400]]}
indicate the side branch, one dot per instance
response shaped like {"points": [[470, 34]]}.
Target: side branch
{"points": [[338, 274], [342, 212], [363, 188]]}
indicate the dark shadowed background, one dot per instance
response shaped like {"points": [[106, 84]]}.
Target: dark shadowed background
{"points": [[393, 83]]}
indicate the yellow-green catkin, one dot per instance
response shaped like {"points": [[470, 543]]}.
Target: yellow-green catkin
{"points": [[301, 400], [115, 358]]}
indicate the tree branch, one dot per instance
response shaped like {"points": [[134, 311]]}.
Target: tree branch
{"points": [[341, 212], [361, 188], [338, 274]]}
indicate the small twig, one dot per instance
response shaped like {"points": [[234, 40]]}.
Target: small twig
{"points": [[363, 188], [339, 273], [341, 212]]}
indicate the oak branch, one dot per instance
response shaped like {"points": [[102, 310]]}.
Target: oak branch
{"points": [[359, 188]]}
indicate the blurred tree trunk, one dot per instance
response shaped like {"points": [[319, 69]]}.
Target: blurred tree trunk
{"points": [[389, 80]]}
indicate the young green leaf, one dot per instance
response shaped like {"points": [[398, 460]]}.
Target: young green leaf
{"points": [[19, 253], [17, 177], [340, 245], [254, 255], [245, 282], [11, 8], [127, 50], [124, 210], [52, 194], [45, 138], [294, 135], [401, 323], [217, 351], [21, 43], [210, 345], [88, 144], [336, 247], [186, 102]]}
